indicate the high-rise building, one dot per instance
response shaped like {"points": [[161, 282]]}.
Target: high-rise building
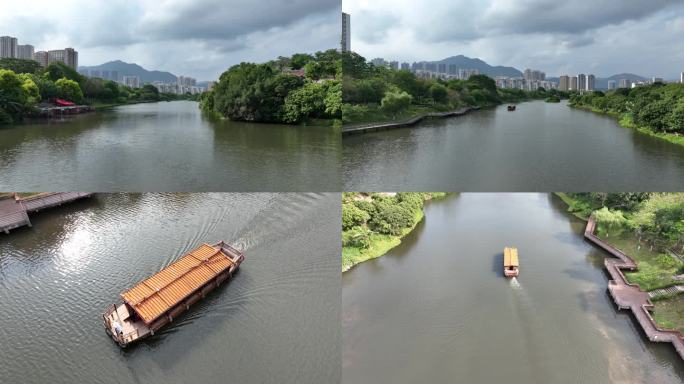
{"points": [[681, 77], [8, 47], [131, 81], [405, 66], [534, 75], [394, 65], [68, 56], [591, 82], [625, 83], [612, 84], [346, 32], [25, 52], [657, 80], [564, 83], [573, 83], [379, 62], [581, 82], [41, 57]]}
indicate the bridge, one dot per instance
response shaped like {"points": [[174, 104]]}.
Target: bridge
{"points": [[630, 296], [365, 128], [14, 211]]}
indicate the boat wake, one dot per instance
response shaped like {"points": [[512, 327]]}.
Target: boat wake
{"points": [[515, 284]]}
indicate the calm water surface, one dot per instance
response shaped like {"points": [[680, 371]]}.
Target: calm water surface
{"points": [[540, 147], [276, 321], [167, 147], [437, 309]]}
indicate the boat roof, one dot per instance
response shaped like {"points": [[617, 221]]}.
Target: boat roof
{"points": [[152, 297], [511, 257]]}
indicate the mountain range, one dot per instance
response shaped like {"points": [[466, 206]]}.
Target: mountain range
{"points": [[131, 69]]}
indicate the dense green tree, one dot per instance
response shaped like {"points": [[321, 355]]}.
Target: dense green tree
{"points": [[395, 102], [13, 96], [59, 70], [299, 60], [20, 65], [306, 101], [352, 216], [69, 90], [438, 92]]}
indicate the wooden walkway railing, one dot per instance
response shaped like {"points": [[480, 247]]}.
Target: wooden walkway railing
{"points": [[14, 212], [630, 296], [373, 127]]}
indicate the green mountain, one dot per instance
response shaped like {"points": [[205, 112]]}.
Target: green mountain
{"points": [[465, 62], [131, 69]]}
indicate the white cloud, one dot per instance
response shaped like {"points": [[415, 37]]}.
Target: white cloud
{"points": [[199, 38], [603, 36]]}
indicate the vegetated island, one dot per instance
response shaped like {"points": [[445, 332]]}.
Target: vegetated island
{"points": [[649, 227], [301, 89], [374, 223], [656, 110], [25, 86], [378, 94]]}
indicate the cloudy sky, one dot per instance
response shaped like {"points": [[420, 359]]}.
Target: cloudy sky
{"points": [[604, 37], [199, 38]]}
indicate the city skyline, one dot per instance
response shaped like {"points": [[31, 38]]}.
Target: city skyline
{"points": [[200, 38], [584, 36]]}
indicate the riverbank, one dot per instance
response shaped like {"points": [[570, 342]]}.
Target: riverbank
{"points": [[656, 269], [627, 295], [626, 120], [374, 223], [374, 127]]}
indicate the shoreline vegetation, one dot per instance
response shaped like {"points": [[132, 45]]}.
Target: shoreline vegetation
{"points": [[649, 227], [375, 95], [301, 89], [25, 86], [374, 223], [656, 110]]}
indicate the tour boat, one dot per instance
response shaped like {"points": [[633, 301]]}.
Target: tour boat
{"points": [[156, 301], [511, 107], [511, 263]]}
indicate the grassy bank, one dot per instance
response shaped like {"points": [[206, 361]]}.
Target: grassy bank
{"points": [[656, 110], [374, 223], [644, 226], [669, 313]]}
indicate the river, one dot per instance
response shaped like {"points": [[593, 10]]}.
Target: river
{"points": [[437, 308], [276, 321], [167, 147], [540, 147]]}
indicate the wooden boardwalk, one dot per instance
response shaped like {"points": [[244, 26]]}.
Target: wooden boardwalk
{"points": [[359, 129], [630, 296], [14, 213]]}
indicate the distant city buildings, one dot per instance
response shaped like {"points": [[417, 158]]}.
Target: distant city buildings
{"points": [[612, 84], [106, 75], [10, 48], [41, 57], [564, 83], [68, 56], [131, 81], [681, 77], [625, 83], [591, 83], [182, 86], [534, 75], [573, 83], [581, 82], [346, 32], [25, 52]]}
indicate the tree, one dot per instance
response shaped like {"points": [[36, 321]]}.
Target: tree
{"points": [[13, 96], [395, 102], [439, 94], [654, 115], [59, 70], [303, 102], [20, 65], [333, 98], [352, 216], [69, 90], [299, 60], [675, 120]]}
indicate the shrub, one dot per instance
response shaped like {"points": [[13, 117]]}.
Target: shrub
{"points": [[352, 216]]}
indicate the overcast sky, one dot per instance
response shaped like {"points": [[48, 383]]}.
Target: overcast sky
{"points": [[603, 37], [199, 38]]}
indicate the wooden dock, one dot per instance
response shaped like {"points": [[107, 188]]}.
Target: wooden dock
{"points": [[631, 296], [14, 212], [360, 129]]}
